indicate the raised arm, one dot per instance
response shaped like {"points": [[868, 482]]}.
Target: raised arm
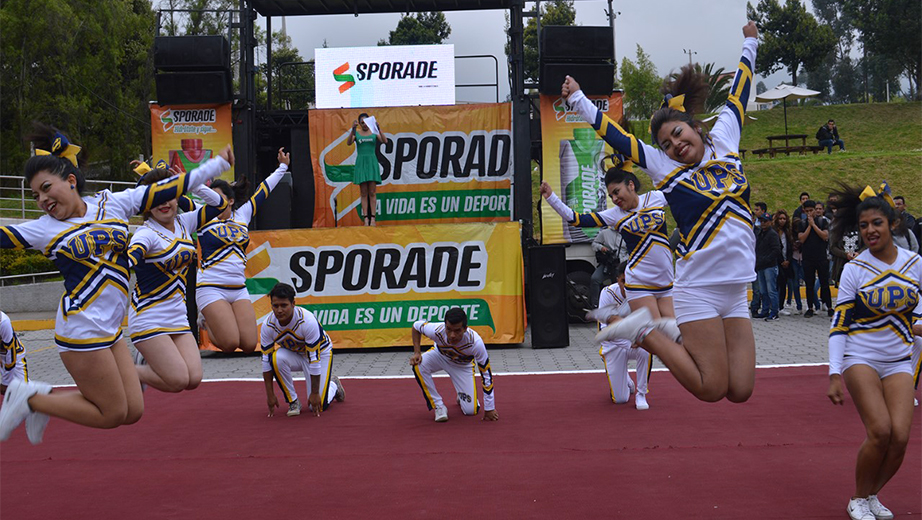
{"points": [[351, 138], [729, 124], [266, 186], [595, 219], [201, 215], [143, 198]]}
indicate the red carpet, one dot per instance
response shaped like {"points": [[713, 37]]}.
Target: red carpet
{"points": [[560, 450]]}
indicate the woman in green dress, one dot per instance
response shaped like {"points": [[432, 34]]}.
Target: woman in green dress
{"points": [[367, 171]]}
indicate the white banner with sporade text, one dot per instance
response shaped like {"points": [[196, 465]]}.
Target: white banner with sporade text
{"points": [[440, 164], [368, 285]]}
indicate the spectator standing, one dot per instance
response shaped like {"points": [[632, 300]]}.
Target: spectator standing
{"points": [[788, 283], [768, 258], [799, 212], [758, 209], [813, 233], [844, 246], [913, 224], [609, 252], [828, 136], [904, 238]]}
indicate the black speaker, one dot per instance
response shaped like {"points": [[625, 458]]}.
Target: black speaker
{"points": [[577, 43], [186, 53], [191, 88], [595, 79], [547, 297]]}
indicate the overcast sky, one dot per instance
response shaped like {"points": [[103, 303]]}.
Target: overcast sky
{"points": [[663, 28]]}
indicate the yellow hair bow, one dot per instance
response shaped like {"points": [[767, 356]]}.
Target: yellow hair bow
{"points": [[674, 102], [618, 161], [883, 192], [61, 147], [142, 168]]}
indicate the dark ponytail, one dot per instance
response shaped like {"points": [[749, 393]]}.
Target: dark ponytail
{"points": [[617, 176], [237, 191], [691, 82], [848, 207], [42, 138]]}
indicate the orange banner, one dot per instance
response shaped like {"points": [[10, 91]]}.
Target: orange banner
{"points": [[442, 164], [187, 135], [572, 164]]}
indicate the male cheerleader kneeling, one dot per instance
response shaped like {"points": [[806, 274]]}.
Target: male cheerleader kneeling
{"points": [[303, 346], [456, 349], [616, 352]]}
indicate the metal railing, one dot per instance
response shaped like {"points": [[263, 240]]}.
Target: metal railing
{"points": [[15, 190], [16, 279]]}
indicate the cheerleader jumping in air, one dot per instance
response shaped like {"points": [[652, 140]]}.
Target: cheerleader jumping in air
{"points": [[871, 341], [161, 252], [640, 219], [221, 293], [701, 178], [87, 238]]}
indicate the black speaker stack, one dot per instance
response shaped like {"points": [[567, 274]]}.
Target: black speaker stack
{"points": [[547, 297], [192, 70], [584, 53]]}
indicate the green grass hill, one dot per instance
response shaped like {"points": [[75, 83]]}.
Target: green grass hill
{"points": [[884, 143]]}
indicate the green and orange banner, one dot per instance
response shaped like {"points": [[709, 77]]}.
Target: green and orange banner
{"points": [[369, 285], [442, 164], [187, 135], [572, 163]]}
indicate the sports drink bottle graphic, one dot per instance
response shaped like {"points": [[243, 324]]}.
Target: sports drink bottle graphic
{"points": [[581, 179], [191, 155]]}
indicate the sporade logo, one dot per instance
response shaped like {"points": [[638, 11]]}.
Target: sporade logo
{"points": [[384, 71]]}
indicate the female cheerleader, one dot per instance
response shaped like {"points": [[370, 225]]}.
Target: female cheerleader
{"points": [[160, 252], [221, 293], [786, 280], [367, 173], [87, 238], [870, 343], [641, 221], [702, 180]]}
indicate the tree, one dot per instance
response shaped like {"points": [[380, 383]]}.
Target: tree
{"points": [[290, 77], [760, 87], [791, 37], [83, 66], [555, 12], [641, 84], [429, 28], [892, 29]]}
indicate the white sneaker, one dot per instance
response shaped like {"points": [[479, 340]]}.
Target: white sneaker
{"points": [[36, 422], [441, 414], [798, 312], [915, 401], [631, 387], [640, 402], [668, 327], [632, 328], [340, 395], [858, 509], [603, 314], [16, 405], [294, 408], [139, 360], [784, 312], [879, 510]]}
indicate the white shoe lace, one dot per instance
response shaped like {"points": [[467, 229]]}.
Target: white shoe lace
{"points": [[877, 509], [860, 508]]}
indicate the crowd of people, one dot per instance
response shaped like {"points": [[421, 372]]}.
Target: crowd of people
{"points": [[808, 251]]}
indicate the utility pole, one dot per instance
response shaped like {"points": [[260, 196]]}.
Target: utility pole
{"points": [[689, 52]]}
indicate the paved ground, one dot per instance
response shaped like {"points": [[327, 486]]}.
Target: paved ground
{"points": [[788, 341]]}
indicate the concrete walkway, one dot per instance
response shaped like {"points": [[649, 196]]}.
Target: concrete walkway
{"points": [[792, 340]]}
